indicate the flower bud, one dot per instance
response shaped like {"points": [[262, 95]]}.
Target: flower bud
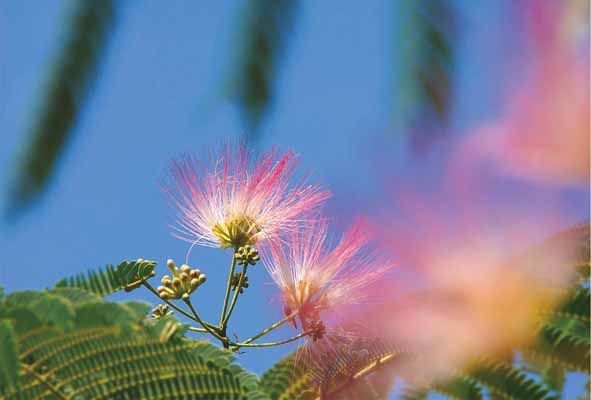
{"points": [[172, 267], [184, 277], [176, 282], [185, 269], [195, 273], [164, 295], [194, 283], [202, 278]]}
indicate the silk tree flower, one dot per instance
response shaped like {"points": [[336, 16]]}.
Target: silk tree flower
{"points": [[320, 283], [237, 198], [477, 287], [542, 133]]}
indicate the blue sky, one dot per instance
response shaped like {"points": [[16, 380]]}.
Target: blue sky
{"points": [[160, 92]]}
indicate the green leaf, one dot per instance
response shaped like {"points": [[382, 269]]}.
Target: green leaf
{"points": [[424, 64], [75, 295], [578, 305], [111, 352], [265, 27], [24, 319], [65, 93], [570, 352], [288, 380], [8, 356], [47, 307], [461, 388], [359, 369], [128, 275], [102, 313], [508, 381]]}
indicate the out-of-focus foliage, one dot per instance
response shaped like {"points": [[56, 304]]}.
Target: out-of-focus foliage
{"points": [[422, 76], [265, 27], [63, 98], [69, 343], [562, 345], [423, 65]]}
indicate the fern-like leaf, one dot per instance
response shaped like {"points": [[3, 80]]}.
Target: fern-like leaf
{"points": [[288, 380], [573, 353], [67, 88], [424, 66], [462, 388], [128, 275], [108, 351], [265, 27], [368, 378], [508, 381], [8, 356]]}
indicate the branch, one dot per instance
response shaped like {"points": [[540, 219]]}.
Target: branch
{"points": [[272, 327]]}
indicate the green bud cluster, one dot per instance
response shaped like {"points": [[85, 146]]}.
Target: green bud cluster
{"points": [[161, 310], [236, 280], [247, 255], [184, 281]]}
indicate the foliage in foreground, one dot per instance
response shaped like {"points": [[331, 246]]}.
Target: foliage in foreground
{"points": [[69, 343]]}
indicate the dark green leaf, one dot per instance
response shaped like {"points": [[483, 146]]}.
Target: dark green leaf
{"points": [[508, 381], [424, 64], [8, 356], [66, 91], [265, 27], [47, 307]]}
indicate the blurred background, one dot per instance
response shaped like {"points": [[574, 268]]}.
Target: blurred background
{"points": [[96, 98]]}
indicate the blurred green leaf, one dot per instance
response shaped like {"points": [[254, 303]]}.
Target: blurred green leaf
{"points": [[423, 65], [65, 93], [265, 26], [8, 356]]}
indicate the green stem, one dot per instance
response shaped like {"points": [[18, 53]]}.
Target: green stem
{"points": [[228, 287], [203, 324], [194, 329], [236, 346], [180, 310], [235, 297], [272, 327], [177, 308]]}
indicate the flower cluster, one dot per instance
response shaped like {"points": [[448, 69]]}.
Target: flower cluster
{"points": [[238, 200]]}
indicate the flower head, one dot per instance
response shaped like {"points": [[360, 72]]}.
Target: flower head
{"points": [[314, 279], [237, 199]]}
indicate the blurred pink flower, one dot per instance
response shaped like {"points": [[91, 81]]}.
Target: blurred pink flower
{"points": [[318, 282], [471, 293], [237, 198], [542, 134]]}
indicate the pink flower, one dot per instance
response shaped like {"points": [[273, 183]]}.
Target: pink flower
{"points": [[237, 198], [318, 282], [542, 134]]}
